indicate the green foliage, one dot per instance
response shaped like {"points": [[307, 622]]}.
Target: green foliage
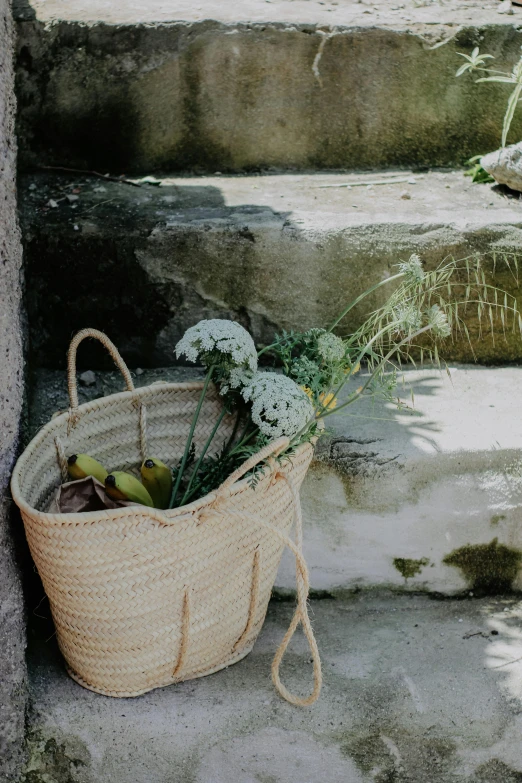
{"points": [[317, 360], [477, 62], [443, 297], [213, 471], [424, 310], [476, 172], [474, 61]]}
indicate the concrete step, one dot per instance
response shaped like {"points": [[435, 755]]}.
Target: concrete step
{"points": [[423, 500], [415, 691], [276, 251], [129, 86]]}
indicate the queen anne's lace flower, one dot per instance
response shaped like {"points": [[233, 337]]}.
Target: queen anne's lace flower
{"points": [[438, 321], [412, 269], [279, 406], [236, 379], [409, 319], [330, 347], [221, 342], [315, 331]]}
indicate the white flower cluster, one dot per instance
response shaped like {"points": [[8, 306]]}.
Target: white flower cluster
{"points": [[412, 269], [218, 341], [330, 347], [409, 319], [237, 377], [438, 321], [279, 406]]}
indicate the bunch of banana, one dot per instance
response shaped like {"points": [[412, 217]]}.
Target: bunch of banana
{"points": [[124, 486], [154, 492], [157, 479], [80, 466]]}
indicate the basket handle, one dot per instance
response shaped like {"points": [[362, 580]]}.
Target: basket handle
{"points": [[71, 364], [273, 449], [301, 615], [302, 582]]}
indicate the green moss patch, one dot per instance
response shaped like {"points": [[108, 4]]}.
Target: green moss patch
{"points": [[495, 771], [408, 567], [488, 568]]}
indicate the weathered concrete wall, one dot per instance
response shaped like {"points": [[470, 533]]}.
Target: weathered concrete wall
{"points": [[12, 631], [180, 94], [428, 499], [278, 251]]}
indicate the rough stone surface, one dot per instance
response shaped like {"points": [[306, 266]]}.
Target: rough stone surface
{"points": [[407, 13], [272, 251], [505, 165], [12, 633], [415, 691], [88, 378], [228, 86], [47, 392], [426, 500]]}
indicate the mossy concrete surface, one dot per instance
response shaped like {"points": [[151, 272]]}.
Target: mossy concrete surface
{"points": [[414, 500], [122, 87], [277, 251], [415, 691], [408, 567], [490, 568]]}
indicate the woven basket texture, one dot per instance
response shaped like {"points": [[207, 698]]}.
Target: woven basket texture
{"points": [[144, 598]]}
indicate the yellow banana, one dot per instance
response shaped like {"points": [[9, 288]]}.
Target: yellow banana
{"points": [[123, 486], [81, 465], [157, 479]]}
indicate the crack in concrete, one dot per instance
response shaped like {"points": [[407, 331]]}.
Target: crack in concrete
{"points": [[317, 58]]}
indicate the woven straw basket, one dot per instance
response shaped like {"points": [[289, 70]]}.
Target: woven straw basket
{"points": [[143, 598]]}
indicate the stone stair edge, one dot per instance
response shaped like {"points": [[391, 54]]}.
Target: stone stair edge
{"points": [[274, 251], [284, 85], [391, 193], [403, 15]]}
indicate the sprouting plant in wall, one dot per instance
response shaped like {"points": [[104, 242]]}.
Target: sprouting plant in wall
{"points": [[476, 62], [476, 171]]}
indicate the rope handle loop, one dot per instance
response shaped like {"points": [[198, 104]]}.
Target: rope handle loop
{"points": [[71, 364], [300, 615], [273, 449], [301, 612]]}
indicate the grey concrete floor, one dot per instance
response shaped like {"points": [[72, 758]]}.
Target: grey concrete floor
{"points": [[415, 691]]}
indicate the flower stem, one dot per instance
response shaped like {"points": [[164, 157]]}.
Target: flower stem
{"points": [[359, 392], [244, 431], [202, 456], [355, 395], [245, 438], [190, 436], [267, 348], [362, 296], [233, 433]]}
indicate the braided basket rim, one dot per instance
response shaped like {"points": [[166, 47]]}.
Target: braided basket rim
{"points": [[167, 516]]}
